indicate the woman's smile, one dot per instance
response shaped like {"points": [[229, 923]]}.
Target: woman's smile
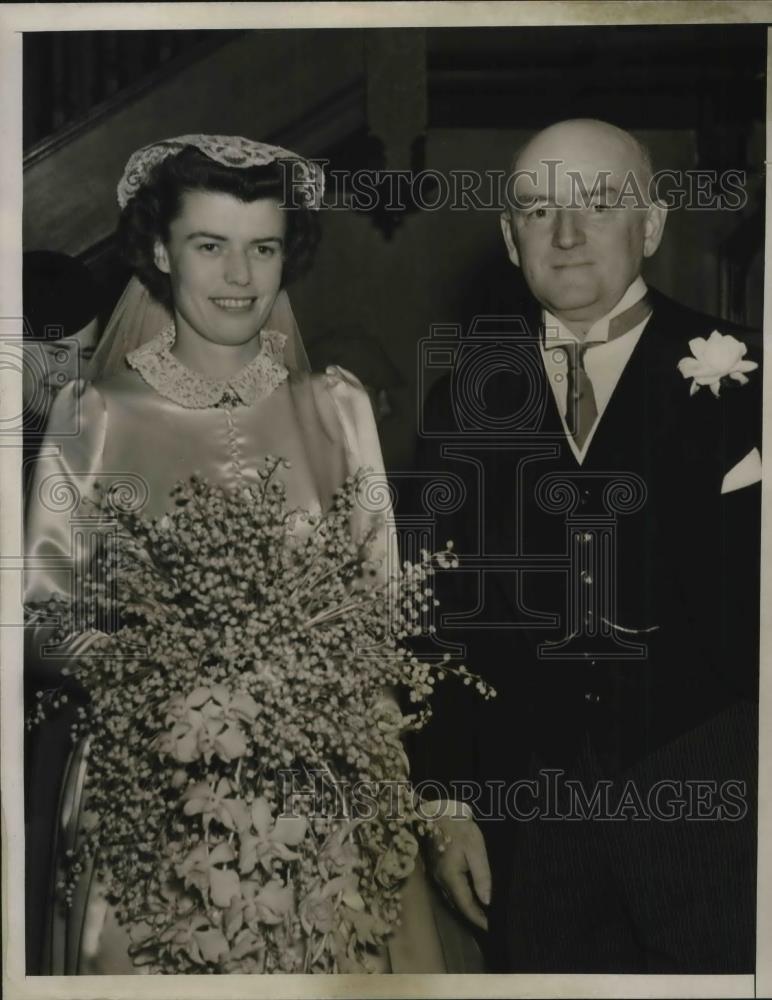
{"points": [[235, 304]]}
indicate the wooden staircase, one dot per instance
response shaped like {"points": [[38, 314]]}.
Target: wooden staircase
{"points": [[273, 85]]}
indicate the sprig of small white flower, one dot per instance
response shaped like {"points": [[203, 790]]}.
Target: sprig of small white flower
{"points": [[252, 639]]}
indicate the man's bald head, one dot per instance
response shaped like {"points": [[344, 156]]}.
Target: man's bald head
{"points": [[579, 139], [581, 220]]}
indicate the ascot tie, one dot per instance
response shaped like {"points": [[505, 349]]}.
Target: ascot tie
{"points": [[581, 408]]}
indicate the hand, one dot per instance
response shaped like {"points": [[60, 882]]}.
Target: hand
{"points": [[459, 863]]}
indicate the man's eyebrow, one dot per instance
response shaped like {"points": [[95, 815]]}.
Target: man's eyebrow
{"points": [[533, 199], [598, 191], [603, 189]]}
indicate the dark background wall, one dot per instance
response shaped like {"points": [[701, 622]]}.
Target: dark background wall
{"points": [[440, 100]]}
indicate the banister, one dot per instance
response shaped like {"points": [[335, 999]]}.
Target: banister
{"points": [[93, 74]]}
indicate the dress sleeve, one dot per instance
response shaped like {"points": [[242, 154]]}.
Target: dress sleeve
{"points": [[363, 452], [62, 486], [374, 512]]}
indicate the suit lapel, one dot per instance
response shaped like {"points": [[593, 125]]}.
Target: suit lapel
{"points": [[543, 435], [638, 417], [644, 408]]}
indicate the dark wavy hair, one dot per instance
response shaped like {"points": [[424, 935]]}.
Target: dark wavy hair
{"points": [[149, 214]]}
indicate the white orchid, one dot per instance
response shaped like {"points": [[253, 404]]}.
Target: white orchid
{"points": [[719, 356], [231, 736]]}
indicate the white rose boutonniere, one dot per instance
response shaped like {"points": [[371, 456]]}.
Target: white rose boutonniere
{"points": [[718, 357]]}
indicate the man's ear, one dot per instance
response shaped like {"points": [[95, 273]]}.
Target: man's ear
{"points": [[509, 237], [654, 227], [161, 257]]}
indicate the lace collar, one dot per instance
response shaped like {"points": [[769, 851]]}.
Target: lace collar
{"points": [[171, 378]]}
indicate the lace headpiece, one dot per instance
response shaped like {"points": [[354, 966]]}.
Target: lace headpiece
{"points": [[231, 151], [138, 318]]}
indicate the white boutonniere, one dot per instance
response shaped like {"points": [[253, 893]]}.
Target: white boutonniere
{"points": [[718, 357]]}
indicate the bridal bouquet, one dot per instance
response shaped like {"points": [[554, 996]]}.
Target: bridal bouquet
{"points": [[247, 792]]}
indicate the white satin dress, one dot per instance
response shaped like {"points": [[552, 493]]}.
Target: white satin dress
{"points": [[143, 430]]}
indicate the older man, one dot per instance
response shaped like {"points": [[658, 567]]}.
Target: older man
{"points": [[616, 465]]}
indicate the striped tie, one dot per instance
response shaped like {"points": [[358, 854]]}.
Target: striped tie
{"points": [[581, 408]]}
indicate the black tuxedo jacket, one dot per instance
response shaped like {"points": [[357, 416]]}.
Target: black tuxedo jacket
{"points": [[614, 601]]}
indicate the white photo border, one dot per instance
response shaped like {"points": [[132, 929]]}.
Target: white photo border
{"points": [[17, 18]]}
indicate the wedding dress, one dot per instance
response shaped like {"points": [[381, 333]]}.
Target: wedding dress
{"points": [[141, 431]]}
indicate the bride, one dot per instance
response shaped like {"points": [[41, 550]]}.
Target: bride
{"points": [[200, 372]]}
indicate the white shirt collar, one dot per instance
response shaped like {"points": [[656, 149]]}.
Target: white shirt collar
{"points": [[556, 332]]}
